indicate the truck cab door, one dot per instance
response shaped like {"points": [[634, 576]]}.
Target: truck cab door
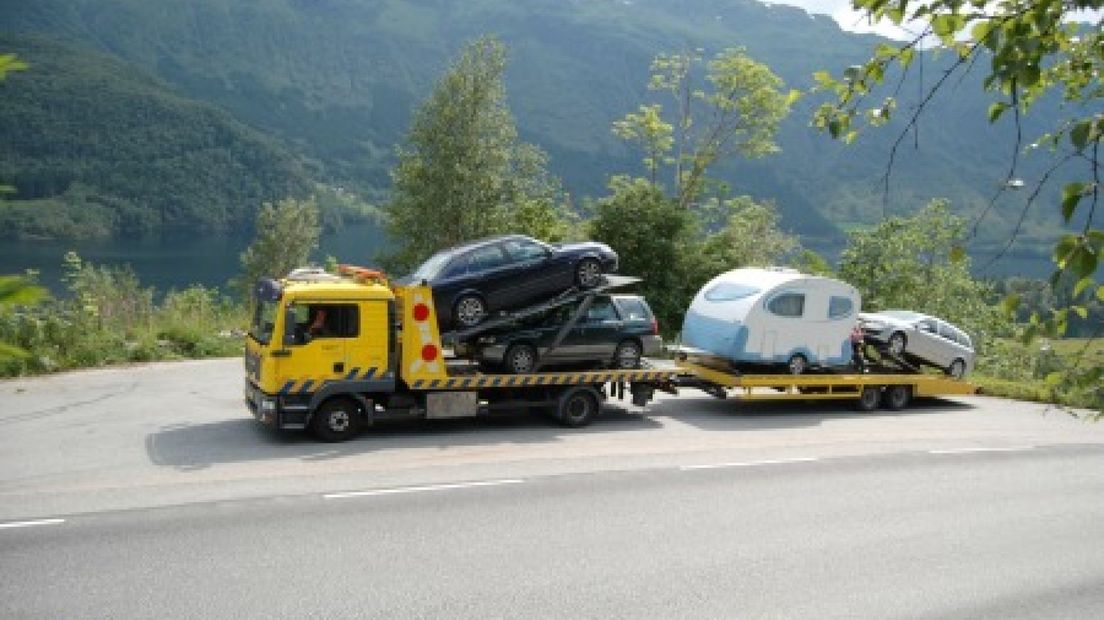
{"points": [[316, 346]]}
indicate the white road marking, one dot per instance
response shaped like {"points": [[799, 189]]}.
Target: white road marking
{"points": [[15, 524], [808, 459], [419, 489], [969, 450]]}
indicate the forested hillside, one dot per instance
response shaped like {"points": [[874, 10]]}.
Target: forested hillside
{"points": [[336, 81], [94, 147]]}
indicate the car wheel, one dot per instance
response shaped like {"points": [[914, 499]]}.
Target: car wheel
{"points": [[897, 344], [588, 273], [627, 355], [957, 369], [336, 420], [520, 359], [470, 310], [797, 364]]}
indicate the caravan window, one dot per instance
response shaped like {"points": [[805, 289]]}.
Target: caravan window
{"points": [[730, 291], [839, 307], [788, 304]]}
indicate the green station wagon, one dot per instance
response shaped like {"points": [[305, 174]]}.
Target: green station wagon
{"points": [[615, 331]]}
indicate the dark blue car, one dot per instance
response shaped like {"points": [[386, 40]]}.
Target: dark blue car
{"points": [[471, 281]]}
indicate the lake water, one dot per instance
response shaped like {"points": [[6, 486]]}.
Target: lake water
{"points": [[179, 261], [212, 261]]}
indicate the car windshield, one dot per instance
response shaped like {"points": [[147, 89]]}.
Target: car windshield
{"points": [[433, 266], [264, 321]]}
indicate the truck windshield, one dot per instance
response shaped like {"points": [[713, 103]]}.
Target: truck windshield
{"points": [[264, 321]]}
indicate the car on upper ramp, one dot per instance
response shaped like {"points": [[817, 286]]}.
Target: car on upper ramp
{"points": [[473, 280]]}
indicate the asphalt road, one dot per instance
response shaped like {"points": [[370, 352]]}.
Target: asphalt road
{"points": [[149, 492]]}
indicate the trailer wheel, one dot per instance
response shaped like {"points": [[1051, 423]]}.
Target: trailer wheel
{"points": [[337, 419], [869, 398], [897, 397], [578, 406]]}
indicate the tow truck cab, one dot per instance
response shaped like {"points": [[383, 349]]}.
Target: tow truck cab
{"points": [[313, 338]]}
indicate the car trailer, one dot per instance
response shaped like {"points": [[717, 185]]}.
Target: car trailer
{"points": [[894, 390]]}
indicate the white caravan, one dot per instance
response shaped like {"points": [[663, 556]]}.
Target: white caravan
{"points": [[773, 316]]}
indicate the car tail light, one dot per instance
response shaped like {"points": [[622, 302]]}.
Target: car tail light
{"points": [[655, 326]]}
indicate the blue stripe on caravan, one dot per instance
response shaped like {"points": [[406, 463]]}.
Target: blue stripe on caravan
{"points": [[352, 374], [287, 387], [369, 373], [306, 386]]}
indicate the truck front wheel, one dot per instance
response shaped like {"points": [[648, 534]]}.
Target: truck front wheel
{"points": [[337, 419]]}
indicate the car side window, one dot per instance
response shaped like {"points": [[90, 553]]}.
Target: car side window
{"points": [[927, 326], [601, 311], [839, 307], [946, 332], [633, 310], [790, 305], [485, 258], [523, 251]]}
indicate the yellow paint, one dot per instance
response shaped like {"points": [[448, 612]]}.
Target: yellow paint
{"points": [[420, 336], [836, 386]]}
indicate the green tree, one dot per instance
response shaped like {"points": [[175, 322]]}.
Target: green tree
{"points": [[751, 237], [1029, 49], [463, 172], [15, 290], [737, 113], [650, 234], [287, 232], [912, 262]]}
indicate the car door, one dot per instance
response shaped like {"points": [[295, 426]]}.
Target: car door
{"points": [[492, 273], [599, 330], [924, 341], [536, 278]]}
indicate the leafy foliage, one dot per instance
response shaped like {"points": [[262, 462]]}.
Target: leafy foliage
{"points": [[108, 317], [738, 115], [287, 231], [910, 263], [463, 173], [1033, 49]]}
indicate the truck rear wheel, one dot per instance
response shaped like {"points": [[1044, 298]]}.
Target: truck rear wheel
{"points": [[869, 398], [577, 406], [337, 419], [897, 397]]}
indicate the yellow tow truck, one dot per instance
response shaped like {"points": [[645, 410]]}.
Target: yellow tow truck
{"points": [[334, 353]]}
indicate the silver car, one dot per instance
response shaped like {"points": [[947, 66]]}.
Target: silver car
{"points": [[920, 338]]}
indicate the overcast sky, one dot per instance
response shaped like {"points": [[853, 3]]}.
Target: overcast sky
{"points": [[853, 21], [840, 10]]}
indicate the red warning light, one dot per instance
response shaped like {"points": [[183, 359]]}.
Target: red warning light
{"points": [[429, 352], [421, 312]]}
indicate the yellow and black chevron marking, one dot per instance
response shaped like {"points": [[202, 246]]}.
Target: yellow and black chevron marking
{"points": [[562, 378], [306, 385]]}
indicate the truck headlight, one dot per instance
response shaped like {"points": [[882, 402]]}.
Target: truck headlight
{"points": [[268, 404]]}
